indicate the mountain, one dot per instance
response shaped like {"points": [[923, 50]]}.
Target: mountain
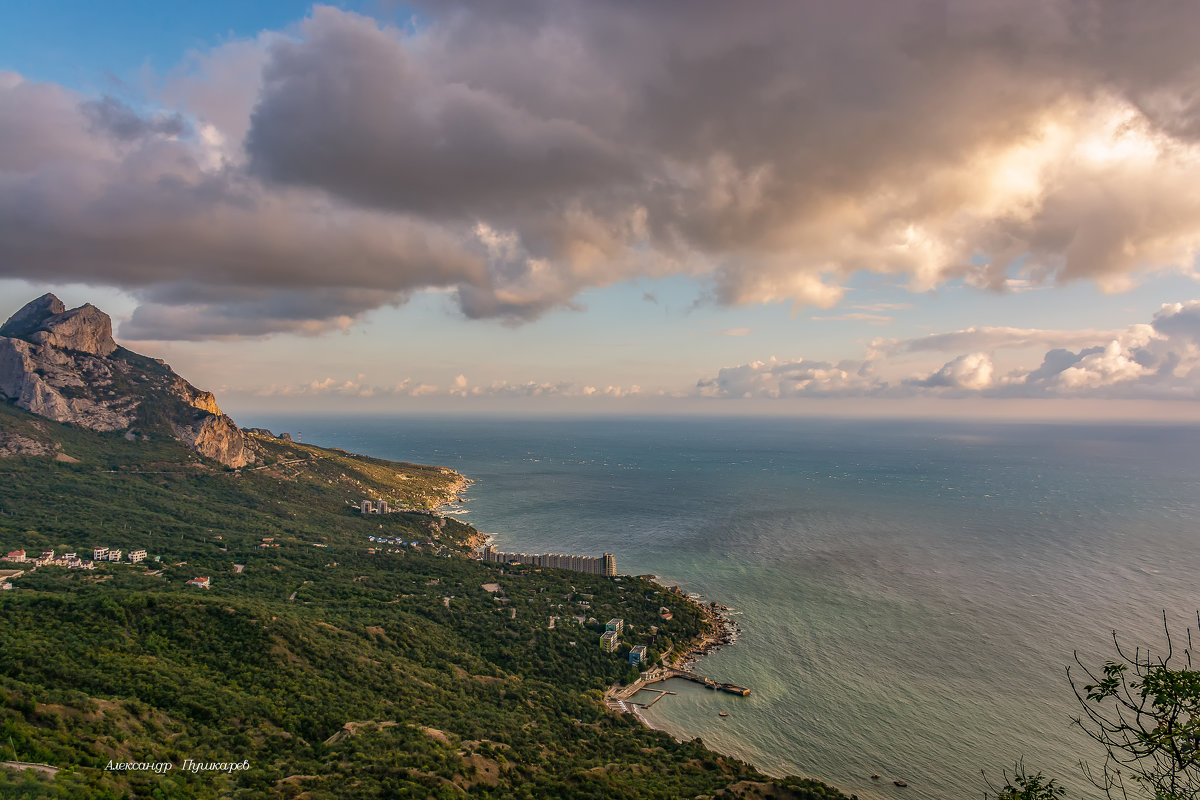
{"points": [[65, 366]]}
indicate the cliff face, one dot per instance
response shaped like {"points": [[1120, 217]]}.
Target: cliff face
{"points": [[65, 366]]}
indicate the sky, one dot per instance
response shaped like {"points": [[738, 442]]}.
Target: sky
{"points": [[872, 207]]}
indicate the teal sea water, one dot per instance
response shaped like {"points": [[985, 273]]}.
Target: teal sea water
{"points": [[908, 593]]}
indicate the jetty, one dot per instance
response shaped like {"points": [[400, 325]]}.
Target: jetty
{"points": [[667, 673], [661, 694]]}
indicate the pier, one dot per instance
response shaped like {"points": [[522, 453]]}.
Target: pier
{"points": [[659, 674], [661, 694]]}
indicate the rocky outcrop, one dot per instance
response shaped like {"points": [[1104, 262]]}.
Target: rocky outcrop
{"points": [[65, 366], [14, 444], [219, 438], [204, 401]]}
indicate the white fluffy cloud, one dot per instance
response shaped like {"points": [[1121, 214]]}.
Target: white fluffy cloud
{"points": [[972, 372], [776, 378], [1156, 360]]}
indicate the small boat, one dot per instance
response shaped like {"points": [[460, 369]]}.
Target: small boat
{"points": [[723, 714], [875, 777], [901, 784]]}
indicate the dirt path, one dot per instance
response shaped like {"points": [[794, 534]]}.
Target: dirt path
{"points": [[46, 768]]}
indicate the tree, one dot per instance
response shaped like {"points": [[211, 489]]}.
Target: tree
{"points": [[1145, 710], [1023, 786]]}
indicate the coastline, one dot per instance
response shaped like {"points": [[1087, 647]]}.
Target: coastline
{"points": [[719, 632]]}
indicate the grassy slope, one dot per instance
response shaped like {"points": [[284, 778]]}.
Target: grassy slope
{"points": [[366, 684]]}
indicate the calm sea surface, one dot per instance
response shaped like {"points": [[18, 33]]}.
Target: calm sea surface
{"points": [[909, 593]]}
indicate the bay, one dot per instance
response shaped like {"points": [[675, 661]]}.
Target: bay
{"points": [[908, 593]]}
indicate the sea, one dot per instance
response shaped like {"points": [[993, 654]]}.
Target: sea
{"points": [[908, 594]]}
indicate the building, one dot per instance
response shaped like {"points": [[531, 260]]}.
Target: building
{"points": [[593, 565], [381, 507], [637, 655], [366, 507], [616, 625], [114, 555], [608, 642], [200, 582], [100, 554], [16, 555], [137, 555]]}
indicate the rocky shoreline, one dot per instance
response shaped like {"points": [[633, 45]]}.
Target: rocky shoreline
{"points": [[720, 630]]}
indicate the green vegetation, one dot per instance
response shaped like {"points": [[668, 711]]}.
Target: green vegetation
{"points": [[1023, 786], [1143, 708], [333, 671]]}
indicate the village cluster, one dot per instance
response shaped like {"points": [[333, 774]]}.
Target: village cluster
{"points": [[49, 558], [72, 560]]}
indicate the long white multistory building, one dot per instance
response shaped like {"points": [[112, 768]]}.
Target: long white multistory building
{"points": [[605, 564]]}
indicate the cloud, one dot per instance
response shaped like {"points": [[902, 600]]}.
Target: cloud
{"points": [[857, 316], [783, 151], [988, 338], [972, 372], [188, 311], [112, 117], [518, 154], [212, 252], [736, 332], [878, 307], [460, 388], [1155, 360], [780, 378]]}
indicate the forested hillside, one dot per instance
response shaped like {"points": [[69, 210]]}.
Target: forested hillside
{"points": [[332, 671]]}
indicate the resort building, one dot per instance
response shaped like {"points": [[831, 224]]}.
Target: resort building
{"points": [[200, 582], [637, 655], [16, 555], [608, 642], [137, 555], [100, 554], [605, 564], [377, 507], [114, 555]]}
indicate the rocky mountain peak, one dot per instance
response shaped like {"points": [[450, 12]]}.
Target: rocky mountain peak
{"points": [[32, 315], [46, 320], [64, 365]]}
